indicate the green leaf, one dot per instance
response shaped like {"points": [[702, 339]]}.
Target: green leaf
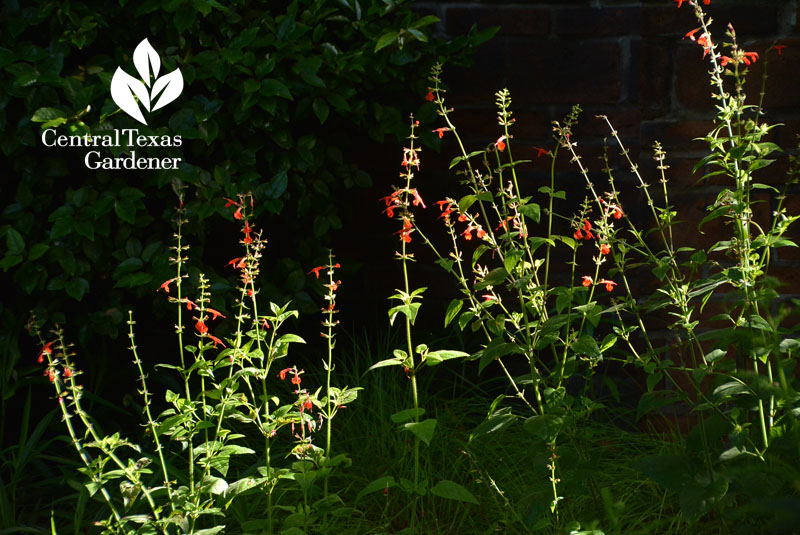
{"points": [[453, 491], [48, 115], [15, 243], [321, 109], [387, 362], [544, 426], [435, 357], [493, 278], [407, 414], [381, 483], [37, 251], [410, 310], [495, 422], [290, 338], [385, 40], [452, 310], [275, 88], [531, 211], [77, 288], [423, 430], [587, 345]]}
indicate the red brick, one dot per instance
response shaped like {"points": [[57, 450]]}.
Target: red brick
{"points": [[565, 72], [746, 19], [597, 21], [676, 134], [512, 20], [655, 73]]}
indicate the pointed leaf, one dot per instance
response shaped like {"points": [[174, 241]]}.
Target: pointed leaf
{"points": [[123, 88], [171, 84], [381, 483], [423, 430], [453, 491], [146, 60]]}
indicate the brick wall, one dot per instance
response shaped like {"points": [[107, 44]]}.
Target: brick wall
{"points": [[627, 60]]}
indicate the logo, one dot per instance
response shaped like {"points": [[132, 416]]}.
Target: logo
{"points": [[152, 92]]}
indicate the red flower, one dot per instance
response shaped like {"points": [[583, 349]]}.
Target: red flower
{"points": [[296, 379], [441, 131], [690, 34], [609, 284], [750, 57], [578, 234], [467, 233], [67, 373], [316, 270], [201, 326], [264, 324], [489, 297], [779, 48], [214, 313], [462, 217], [605, 249], [417, 199], [165, 285], [389, 211], [429, 97], [589, 236], [49, 374], [247, 228], [190, 304], [307, 403], [46, 349], [587, 226], [541, 151], [680, 2], [407, 223], [230, 202], [238, 213], [216, 341], [283, 373], [500, 143], [480, 232], [724, 60], [442, 204], [587, 280], [618, 213], [405, 235]]}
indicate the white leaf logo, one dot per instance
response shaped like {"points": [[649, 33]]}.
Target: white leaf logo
{"points": [[125, 87]]}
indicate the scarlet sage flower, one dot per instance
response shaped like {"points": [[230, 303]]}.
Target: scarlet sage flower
{"points": [[462, 218], [589, 236], [605, 249], [618, 213], [283, 372], [406, 223], [779, 48], [47, 349], [587, 280], [405, 235], [165, 285], [214, 313], [690, 34], [307, 404], [216, 340], [480, 233], [541, 151], [578, 234], [489, 297], [201, 326], [750, 57], [609, 284], [67, 373], [264, 324], [429, 97], [230, 202], [500, 143], [587, 226], [417, 199], [296, 379], [467, 233], [441, 131], [238, 213], [316, 270]]}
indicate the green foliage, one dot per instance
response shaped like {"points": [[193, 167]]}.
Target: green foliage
{"points": [[276, 98]]}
